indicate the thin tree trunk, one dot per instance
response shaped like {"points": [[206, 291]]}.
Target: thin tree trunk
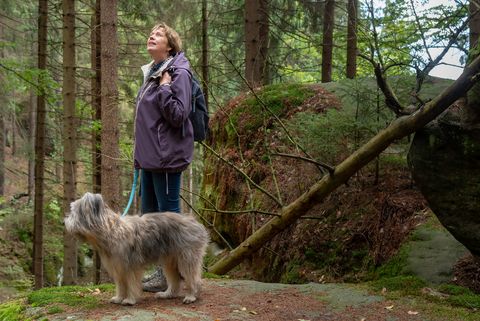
{"points": [[256, 41], [96, 84], [69, 138], [399, 128], [40, 149], [205, 50], [32, 115], [352, 8], [2, 129], [2, 157], [110, 133], [471, 115], [327, 49]]}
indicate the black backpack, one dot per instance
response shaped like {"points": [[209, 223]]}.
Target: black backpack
{"points": [[199, 114]]}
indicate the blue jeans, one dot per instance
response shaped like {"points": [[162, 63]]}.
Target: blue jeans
{"points": [[160, 192]]}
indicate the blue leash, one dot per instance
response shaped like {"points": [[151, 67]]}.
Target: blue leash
{"points": [[132, 193]]}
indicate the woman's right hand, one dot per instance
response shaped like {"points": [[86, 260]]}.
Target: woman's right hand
{"points": [[166, 79]]}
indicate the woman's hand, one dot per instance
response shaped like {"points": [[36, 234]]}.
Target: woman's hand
{"points": [[166, 79]]}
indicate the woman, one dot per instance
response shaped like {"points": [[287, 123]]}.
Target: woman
{"points": [[163, 132]]}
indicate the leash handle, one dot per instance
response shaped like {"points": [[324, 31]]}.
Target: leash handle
{"points": [[132, 193]]}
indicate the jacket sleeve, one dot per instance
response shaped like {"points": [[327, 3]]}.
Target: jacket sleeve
{"points": [[175, 101]]}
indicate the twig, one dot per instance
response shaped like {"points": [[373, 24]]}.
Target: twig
{"points": [[329, 168], [279, 203], [208, 223]]}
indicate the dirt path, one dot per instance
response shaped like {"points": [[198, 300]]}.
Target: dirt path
{"points": [[255, 301]]}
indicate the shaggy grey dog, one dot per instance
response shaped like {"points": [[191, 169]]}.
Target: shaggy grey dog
{"points": [[127, 246]]}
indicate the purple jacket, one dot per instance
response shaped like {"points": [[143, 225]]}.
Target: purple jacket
{"points": [[163, 131]]}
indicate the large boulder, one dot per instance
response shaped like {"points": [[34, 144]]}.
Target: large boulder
{"points": [[444, 158]]}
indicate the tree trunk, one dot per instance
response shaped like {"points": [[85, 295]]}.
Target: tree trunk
{"points": [[2, 129], [32, 115], [96, 84], [471, 113], [256, 41], [2, 157], [69, 138], [110, 133], [352, 8], [40, 148], [327, 48], [399, 128], [205, 50]]}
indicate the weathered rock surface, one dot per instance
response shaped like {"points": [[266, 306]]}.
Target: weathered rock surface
{"points": [[445, 161]]}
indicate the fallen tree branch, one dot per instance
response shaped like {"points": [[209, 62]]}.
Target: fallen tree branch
{"points": [[399, 128]]}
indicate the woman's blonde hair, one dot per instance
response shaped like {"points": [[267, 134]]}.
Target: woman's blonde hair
{"points": [[173, 38]]}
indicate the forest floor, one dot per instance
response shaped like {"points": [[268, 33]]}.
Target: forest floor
{"points": [[255, 301]]}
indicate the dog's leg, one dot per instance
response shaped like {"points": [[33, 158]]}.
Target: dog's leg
{"points": [[133, 281], [173, 279], [192, 273], [120, 289]]}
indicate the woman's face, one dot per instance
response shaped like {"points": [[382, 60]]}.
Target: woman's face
{"points": [[157, 45]]}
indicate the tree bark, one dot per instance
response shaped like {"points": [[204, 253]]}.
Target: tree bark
{"points": [[2, 157], [96, 83], [327, 48], [352, 8], [110, 133], [256, 42], [40, 148], [399, 128], [471, 113], [69, 138], [205, 50], [2, 129], [32, 115]]}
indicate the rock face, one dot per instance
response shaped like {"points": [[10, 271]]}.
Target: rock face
{"points": [[445, 161]]}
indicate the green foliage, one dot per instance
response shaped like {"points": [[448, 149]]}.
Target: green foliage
{"points": [[12, 311]]}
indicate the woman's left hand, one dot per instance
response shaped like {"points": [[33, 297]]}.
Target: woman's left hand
{"points": [[166, 79]]}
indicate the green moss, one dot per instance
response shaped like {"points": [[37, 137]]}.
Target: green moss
{"points": [[12, 311], [393, 267], [278, 98], [55, 309], [404, 284], [292, 274], [208, 275], [460, 296], [68, 295]]}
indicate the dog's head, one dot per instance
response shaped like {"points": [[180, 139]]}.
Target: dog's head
{"points": [[86, 214]]}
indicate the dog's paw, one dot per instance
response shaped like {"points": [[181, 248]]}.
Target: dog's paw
{"points": [[129, 302], [116, 300], [164, 295], [189, 299]]}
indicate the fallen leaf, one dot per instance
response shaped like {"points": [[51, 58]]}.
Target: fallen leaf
{"points": [[253, 312], [412, 312], [390, 307], [244, 309]]}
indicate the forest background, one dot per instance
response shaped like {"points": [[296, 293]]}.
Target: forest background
{"points": [[70, 73]]}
